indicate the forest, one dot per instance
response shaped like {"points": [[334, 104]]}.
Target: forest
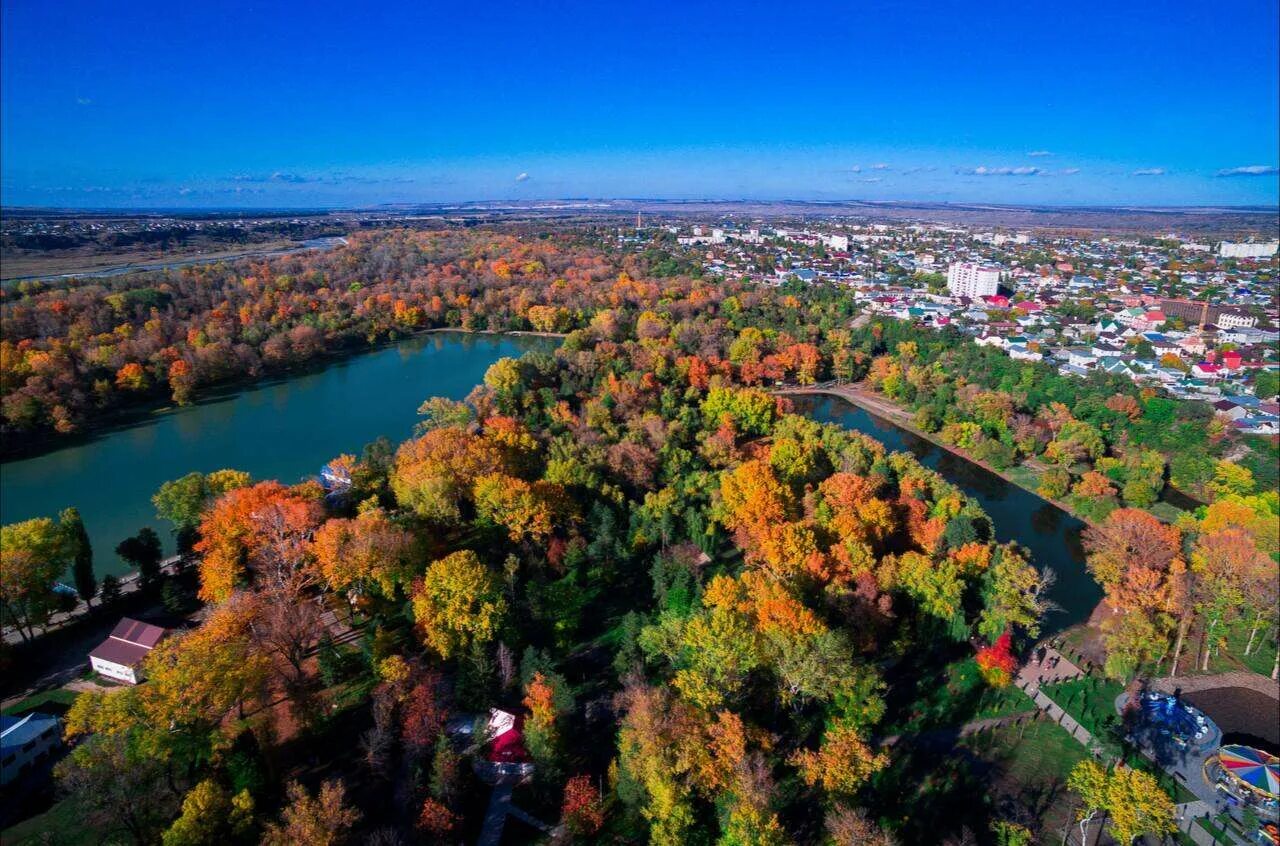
{"points": [[718, 621]]}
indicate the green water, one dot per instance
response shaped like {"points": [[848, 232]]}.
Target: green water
{"points": [[284, 430]]}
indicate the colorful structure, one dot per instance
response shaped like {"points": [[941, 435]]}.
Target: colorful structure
{"points": [[1251, 769]]}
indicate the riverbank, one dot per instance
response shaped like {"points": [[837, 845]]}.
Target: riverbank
{"points": [[14, 447], [858, 395]]}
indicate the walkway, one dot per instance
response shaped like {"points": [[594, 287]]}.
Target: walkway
{"points": [[504, 778], [1056, 667]]}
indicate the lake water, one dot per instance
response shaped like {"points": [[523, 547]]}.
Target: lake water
{"points": [[1051, 535], [284, 430]]}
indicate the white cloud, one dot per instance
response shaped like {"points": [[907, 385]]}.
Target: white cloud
{"points": [[880, 166], [1039, 153], [83, 101], [1149, 171], [857, 168], [983, 170], [524, 177], [1069, 171], [1249, 170]]}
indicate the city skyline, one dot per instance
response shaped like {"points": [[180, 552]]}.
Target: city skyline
{"points": [[241, 106]]}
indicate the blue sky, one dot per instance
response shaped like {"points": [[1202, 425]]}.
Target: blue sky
{"points": [[253, 104]]}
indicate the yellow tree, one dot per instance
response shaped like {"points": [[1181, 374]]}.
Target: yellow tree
{"points": [[527, 511], [434, 474], [458, 602], [842, 763], [321, 820]]}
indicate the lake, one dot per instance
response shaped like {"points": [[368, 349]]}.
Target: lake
{"points": [[282, 430], [1051, 535]]}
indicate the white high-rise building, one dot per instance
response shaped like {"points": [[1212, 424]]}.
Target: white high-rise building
{"points": [[969, 279], [1227, 249]]}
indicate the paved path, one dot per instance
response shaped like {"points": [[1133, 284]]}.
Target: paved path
{"points": [[500, 807], [1054, 668]]}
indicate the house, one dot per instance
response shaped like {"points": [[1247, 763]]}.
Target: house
{"points": [[1205, 370], [120, 656], [1019, 352], [1229, 410], [26, 741]]}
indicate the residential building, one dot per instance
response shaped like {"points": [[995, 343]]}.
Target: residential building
{"points": [[120, 656], [969, 279], [1228, 249], [26, 741]]}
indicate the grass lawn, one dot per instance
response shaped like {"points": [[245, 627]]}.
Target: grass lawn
{"points": [[1165, 511], [1044, 751], [1091, 700], [957, 696], [1030, 769], [1024, 476], [1232, 657], [61, 824], [59, 697]]}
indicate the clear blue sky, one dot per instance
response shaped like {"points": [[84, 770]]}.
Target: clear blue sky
{"points": [[239, 104]]}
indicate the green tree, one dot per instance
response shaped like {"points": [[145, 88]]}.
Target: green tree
{"points": [[182, 501], [143, 551], [81, 554]]}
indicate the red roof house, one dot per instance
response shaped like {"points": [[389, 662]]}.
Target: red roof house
{"points": [[120, 656]]}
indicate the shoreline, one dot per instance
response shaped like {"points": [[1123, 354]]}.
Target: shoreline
{"points": [[127, 417], [877, 405]]}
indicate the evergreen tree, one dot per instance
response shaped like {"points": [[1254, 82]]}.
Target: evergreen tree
{"points": [[86, 582]]}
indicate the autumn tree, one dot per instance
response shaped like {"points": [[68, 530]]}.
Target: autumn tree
{"points": [[849, 826], [457, 603], [112, 786], [33, 555], [211, 816], [581, 812], [370, 550], [434, 474], [194, 680], [321, 820], [842, 763], [527, 511], [1131, 800], [547, 698], [263, 530]]}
